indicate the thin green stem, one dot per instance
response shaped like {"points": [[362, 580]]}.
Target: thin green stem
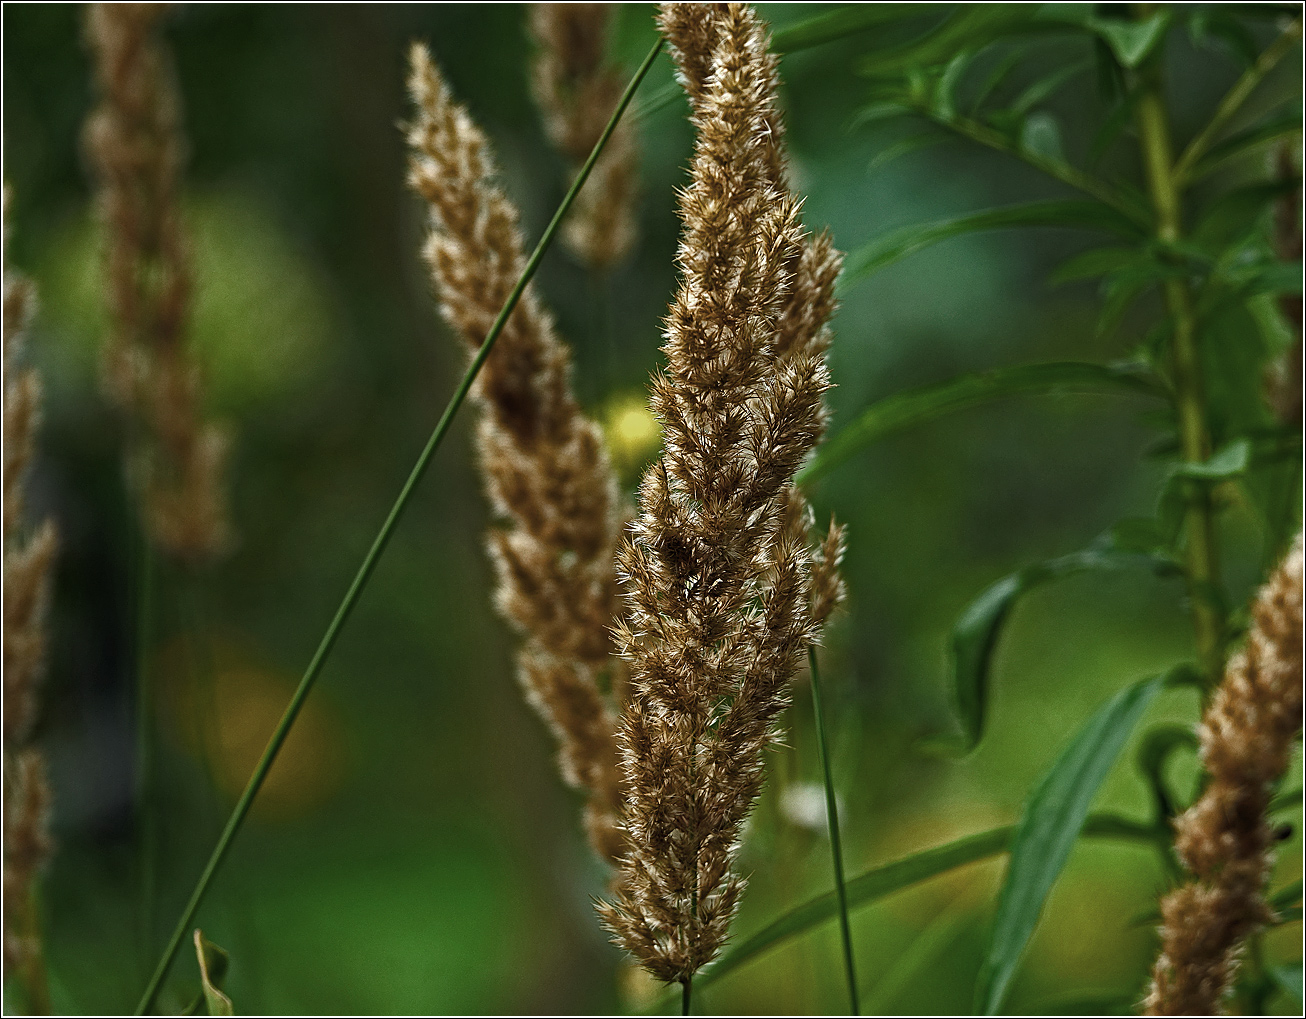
{"points": [[836, 844], [686, 988], [378, 547], [1064, 172], [1201, 552], [1233, 100]]}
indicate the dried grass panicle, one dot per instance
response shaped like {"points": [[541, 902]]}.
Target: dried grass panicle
{"points": [[135, 148], [576, 92], [715, 570], [1225, 839], [544, 463], [28, 557]]}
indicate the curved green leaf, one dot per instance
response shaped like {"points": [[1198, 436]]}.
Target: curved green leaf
{"points": [[898, 244], [976, 633], [213, 969], [882, 881], [1051, 824], [1154, 751], [1277, 125], [839, 24], [916, 406], [968, 28]]}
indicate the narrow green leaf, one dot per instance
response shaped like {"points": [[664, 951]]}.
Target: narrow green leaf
{"points": [[839, 24], [1047, 832], [213, 970], [1132, 41], [1279, 124], [967, 29], [1229, 461], [1154, 751], [916, 406], [884, 880], [1094, 262], [1047, 86], [898, 244], [1286, 801], [1288, 978], [904, 146], [977, 631]]}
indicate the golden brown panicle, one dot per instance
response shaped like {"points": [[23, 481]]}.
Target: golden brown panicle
{"points": [[716, 566], [28, 556], [133, 140], [544, 464], [576, 92], [1224, 838]]}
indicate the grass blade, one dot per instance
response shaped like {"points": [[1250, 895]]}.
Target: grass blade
{"points": [[977, 631], [378, 547], [1051, 824], [884, 880], [916, 406], [838, 24], [898, 244], [836, 844]]}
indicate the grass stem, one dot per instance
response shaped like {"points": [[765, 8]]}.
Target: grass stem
{"points": [[373, 556], [686, 988], [836, 844]]}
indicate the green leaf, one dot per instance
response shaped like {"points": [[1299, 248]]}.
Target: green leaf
{"points": [[916, 406], [1047, 86], [976, 632], [898, 244], [905, 146], [1279, 124], [1094, 262], [1229, 461], [1040, 136], [968, 29], [839, 24], [1051, 824], [1132, 41], [1154, 751], [884, 880], [214, 962], [1288, 978], [1236, 213]]}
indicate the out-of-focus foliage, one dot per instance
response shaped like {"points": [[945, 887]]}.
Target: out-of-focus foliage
{"points": [[413, 850]]}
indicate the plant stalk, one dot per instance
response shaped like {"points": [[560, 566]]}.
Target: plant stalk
{"points": [[373, 556], [1201, 552], [686, 987], [836, 843]]}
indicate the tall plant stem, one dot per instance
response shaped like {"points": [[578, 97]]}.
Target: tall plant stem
{"points": [[1201, 553], [1234, 98], [686, 988], [378, 547], [836, 844]]}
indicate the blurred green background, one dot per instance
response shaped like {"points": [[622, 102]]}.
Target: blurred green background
{"points": [[414, 850]]}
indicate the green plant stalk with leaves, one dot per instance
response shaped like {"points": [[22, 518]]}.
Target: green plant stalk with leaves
{"points": [[379, 544], [1201, 552]]}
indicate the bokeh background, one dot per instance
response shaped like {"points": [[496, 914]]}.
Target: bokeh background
{"points": [[414, 850]]}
